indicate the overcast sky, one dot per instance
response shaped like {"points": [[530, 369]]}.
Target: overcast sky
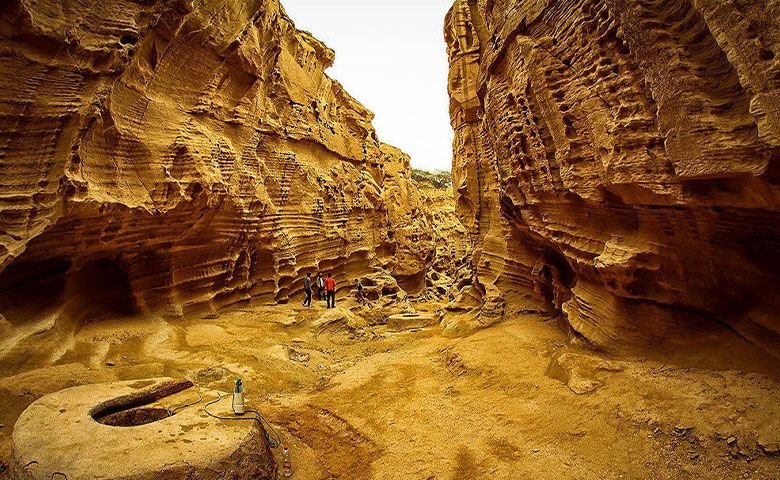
{"points": [[391, 56]]}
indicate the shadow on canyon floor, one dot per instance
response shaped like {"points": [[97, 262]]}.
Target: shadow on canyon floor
{"points": [[359, 399]]}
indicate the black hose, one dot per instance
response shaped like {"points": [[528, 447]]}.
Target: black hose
{"points": [[173, 409], [273, 442]]}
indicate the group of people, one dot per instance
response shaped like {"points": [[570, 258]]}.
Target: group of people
{"points": [[326, 289]]}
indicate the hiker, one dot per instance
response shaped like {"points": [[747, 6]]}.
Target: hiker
{"points": [[307, 290], [320, 286], [359, 288], [330, 291]]}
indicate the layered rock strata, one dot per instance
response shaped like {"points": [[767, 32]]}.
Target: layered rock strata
{"points": [[449, 269], [176, 155], [617, 161]]}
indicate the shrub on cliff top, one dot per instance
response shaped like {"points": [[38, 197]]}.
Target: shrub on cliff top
{"points": [[436, 178]]}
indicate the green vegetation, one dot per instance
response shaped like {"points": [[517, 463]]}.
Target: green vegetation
{"points": [[437, 178]]}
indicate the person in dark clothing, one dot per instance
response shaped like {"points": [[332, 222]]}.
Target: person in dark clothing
{"points": [[307, 290], [330, 291], [359, 290], [320, 287]]}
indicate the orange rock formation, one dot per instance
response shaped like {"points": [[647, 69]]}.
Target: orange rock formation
{"points": [[617, 161], [167, 156]]}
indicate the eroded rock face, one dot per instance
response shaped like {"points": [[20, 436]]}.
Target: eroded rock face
{"points": [[448, 270], [176, 155], [618, 161]]}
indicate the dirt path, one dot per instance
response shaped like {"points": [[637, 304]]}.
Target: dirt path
{"points": [[360, 402]]}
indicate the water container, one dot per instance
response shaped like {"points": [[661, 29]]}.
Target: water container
{"points": [[287, 465]]}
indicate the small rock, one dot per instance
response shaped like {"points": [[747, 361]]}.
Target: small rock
{"points": [[110, 363], [537, 450], [298, 356], [731, 440], [769, 448], [682, 430], [693, 455]]}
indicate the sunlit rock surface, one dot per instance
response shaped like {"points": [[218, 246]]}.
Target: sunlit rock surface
{"points": [[449, 269], [151, 425], [169, 156], [618, 161]]}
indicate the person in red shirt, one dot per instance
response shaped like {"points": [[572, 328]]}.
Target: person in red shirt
{"points": [[330, 292]]}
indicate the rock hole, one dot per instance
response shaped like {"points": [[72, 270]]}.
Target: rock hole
{"points": [[128, 39], [132, 410], [153, 56], [135, 417]]}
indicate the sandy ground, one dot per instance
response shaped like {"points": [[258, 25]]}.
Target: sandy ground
{"points": [[358, 401]]}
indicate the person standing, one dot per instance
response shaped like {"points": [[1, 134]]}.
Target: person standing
{"points": [[320, 286], [307, 290], [330, 291], [359, 291]]}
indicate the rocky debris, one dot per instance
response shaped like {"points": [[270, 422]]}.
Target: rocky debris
{"points": [[453, 362], [682, 430], [770, 449], [298, 356], [96, 419], [616, 162], [184, 156], [578, 371]]}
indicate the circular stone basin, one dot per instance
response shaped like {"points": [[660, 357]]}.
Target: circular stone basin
{"points": [[123, 430]]}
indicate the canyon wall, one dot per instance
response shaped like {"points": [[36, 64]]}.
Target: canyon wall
{"points": [[448, 270], [617, 161], [168, 156]]}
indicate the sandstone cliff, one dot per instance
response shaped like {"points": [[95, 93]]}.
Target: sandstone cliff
{"points": [[617, 161], [175, 155], [448, 270]]}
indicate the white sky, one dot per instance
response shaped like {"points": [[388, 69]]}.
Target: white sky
{"points": [[390, 56]]}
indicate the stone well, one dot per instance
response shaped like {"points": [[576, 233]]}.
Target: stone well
{"points": [[125, 431]]}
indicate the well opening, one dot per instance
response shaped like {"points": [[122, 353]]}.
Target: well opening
{"points": [[133, 410], [135, 417]]}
